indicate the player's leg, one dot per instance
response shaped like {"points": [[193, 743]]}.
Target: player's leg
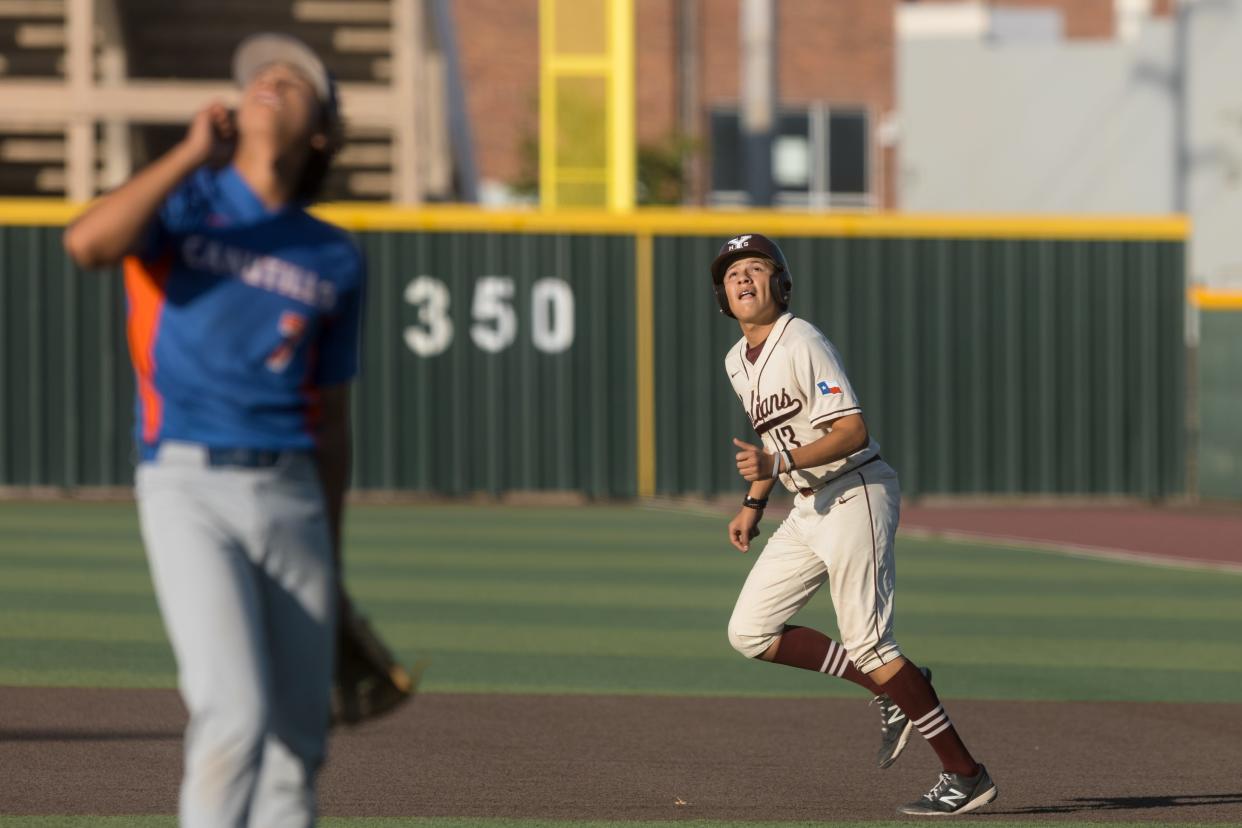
{"points": [[860, 514], [298, 590], [861, 528], [783, 579], [857, 537], [207, 596]]}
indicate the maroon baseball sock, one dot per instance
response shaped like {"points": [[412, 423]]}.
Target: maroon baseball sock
{"points": [[914, 694], [812, 650]]}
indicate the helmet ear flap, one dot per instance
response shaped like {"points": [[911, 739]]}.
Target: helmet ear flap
{"points": [[782, 286]]}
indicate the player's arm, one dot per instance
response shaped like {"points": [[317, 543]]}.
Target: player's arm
{"points": [[745, 524], [760, 489], [332, 457], [845, 435], [115, 223]]}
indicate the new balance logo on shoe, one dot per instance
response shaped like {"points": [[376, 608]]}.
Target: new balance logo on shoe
{"points": [[895, 727], [954, 794]]}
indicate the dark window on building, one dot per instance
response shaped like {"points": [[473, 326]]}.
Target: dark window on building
{"points": [[820, 157], [847, 152], [726, 150]]}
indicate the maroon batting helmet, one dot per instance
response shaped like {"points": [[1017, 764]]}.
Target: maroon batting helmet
{"points": [[751, 244]]}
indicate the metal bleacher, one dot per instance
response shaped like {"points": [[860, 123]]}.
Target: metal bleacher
{"points": [[160, 59], [31, 46]]}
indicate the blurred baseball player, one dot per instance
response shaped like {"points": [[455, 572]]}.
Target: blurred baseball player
{"points": [[243, 329], [789, 379]]}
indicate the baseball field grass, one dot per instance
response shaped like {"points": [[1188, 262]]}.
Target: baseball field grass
{"points": [[616, 601], [633, 600]]}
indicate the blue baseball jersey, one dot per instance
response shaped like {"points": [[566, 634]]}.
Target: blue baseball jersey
{"points": [[238, 315]]}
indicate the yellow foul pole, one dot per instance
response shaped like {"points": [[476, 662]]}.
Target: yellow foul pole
{"points": [[621, 142], [547, 104], [586, 104]]}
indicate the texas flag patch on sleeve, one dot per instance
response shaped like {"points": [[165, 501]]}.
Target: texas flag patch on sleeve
{"points": [[827, 387]]}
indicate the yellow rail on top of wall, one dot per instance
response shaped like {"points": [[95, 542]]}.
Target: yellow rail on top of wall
{"points": [[1212, 299], [692, 222]]}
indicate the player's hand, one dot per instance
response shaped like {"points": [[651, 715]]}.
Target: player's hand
{"points": [[753, 463], [211, 133], [744, 528]]}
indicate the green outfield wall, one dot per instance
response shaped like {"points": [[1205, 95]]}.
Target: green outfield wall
{"points": [[498, 361], [983, 365], [1220, 398], [66, 385], [578, 351]]}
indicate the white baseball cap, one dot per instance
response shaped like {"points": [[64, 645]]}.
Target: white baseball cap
{"points": [[265, 48]]}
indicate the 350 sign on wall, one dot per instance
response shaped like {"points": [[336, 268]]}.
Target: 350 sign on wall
{"points": [[494, 319]]}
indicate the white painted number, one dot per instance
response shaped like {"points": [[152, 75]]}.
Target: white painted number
{"points": [[435, 329], [552, 315], [495, 322]]}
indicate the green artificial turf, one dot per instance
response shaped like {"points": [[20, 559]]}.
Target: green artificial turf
{"points": [[617, 599]]}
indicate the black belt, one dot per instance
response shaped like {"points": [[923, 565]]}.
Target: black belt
{"points": [[236, 457], [824, 483], [245, 458]]}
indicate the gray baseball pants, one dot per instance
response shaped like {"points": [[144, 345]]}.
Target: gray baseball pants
{"points": [[243, 570]]}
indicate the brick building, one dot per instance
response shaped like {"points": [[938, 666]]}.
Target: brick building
{"points": [[838, 134], [835, 74], [837, 143]]}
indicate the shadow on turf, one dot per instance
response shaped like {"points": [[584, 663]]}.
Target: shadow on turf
{"points": [[50, 735], [1127, 803]]}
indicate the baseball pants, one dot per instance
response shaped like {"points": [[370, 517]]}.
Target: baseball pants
{"points": [[243, 571], [842, 534]]}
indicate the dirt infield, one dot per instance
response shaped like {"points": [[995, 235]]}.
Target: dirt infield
{"points": [[581, 757], [1200, 536]]}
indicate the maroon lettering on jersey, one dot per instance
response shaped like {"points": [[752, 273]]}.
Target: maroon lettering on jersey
{"points": [[772, 410]]}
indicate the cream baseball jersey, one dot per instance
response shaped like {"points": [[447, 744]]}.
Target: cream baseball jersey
{"points": [[791, 394]]}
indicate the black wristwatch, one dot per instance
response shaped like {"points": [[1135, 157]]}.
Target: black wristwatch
{"points": [[754, 502]]}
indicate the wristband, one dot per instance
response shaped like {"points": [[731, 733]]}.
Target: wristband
{"points": [[754, 502], [777, 459], [789, 463]]}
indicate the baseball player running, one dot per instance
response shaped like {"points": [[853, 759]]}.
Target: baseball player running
{"points": [[243, 327], [789, 379]]}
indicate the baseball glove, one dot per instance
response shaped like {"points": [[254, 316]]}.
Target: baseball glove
{"points": [[369, 682]]}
